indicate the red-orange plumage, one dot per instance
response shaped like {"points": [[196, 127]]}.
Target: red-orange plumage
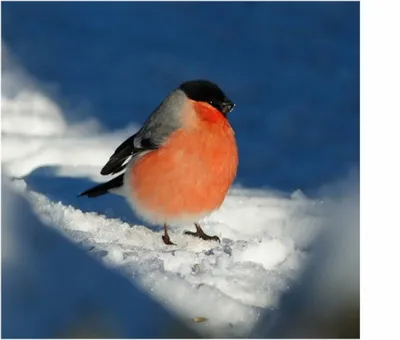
{"points": [[191, 174]]}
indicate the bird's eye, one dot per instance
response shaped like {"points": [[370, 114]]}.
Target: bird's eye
{"points": [[211, 102]]}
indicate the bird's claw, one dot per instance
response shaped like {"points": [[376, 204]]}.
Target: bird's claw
{"points": [[203, 236], [167, 240]]}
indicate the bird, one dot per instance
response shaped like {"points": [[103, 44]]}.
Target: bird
{"points": [[179, 166]]}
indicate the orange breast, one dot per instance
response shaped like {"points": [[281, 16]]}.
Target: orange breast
{"points": [[190, 175]]}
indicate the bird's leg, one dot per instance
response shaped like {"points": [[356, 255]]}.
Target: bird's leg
{"points": [[201, 234], [165, 237]]}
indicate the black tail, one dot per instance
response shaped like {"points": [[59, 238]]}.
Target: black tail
{"points": [[104, 188]]}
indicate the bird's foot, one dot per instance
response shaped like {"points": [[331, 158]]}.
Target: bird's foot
{"points": [[201, 234], [167, 240]]}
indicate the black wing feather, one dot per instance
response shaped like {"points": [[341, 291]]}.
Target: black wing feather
{"points": [[126, 150], [120, 155], [104, 188]]}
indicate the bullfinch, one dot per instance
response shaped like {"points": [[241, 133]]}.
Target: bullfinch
{"points": [[180, 165]]}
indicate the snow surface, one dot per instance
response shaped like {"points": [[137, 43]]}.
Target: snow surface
{"points": [[325, 301], [266, 236], [50, 288]]}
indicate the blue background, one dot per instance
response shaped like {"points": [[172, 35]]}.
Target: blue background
{"points": [[291, 68]]}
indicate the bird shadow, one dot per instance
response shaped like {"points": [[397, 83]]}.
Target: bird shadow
{"points": [[66, 190]]}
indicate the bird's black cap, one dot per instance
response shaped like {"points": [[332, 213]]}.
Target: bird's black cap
{"points": [[208, 92]]}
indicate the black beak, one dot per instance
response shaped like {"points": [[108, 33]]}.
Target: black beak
{"points": [[227, 107]]}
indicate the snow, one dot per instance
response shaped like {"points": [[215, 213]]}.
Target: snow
{"points": [[265, 235], [325, 303], [228, 283], [54, 289]]}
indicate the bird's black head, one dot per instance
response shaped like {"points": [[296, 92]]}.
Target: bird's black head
{"points": [[208, 92]]}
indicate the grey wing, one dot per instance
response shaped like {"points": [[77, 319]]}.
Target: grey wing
{"points": [[161, 123]]}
